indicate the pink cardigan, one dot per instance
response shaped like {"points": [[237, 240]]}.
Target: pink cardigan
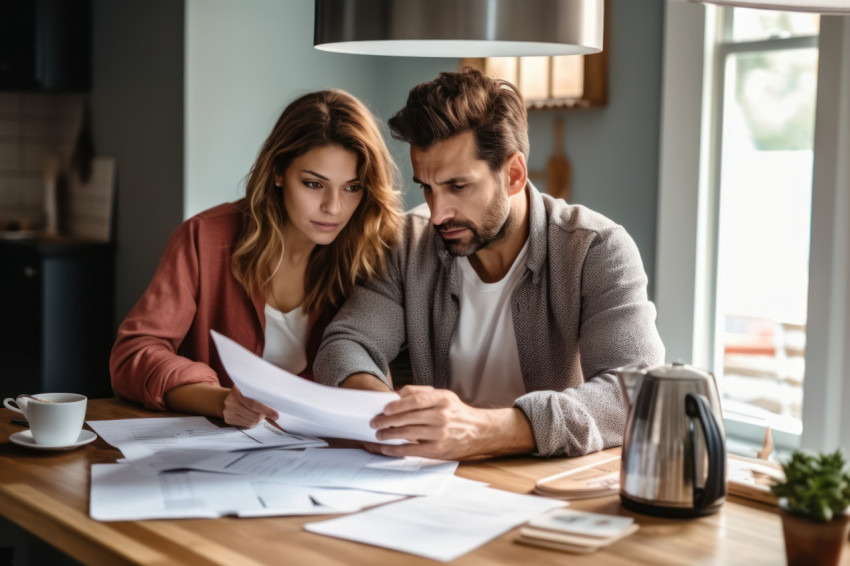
{"points": [[165, 342]]}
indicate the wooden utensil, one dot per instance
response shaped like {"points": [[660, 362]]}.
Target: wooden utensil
{"points": [[558, 171]]}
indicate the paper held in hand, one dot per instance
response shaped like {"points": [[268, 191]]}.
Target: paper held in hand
{"points": [[305, 407]]}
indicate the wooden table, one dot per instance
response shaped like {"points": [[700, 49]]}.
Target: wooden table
{"points": [[47, 494]]}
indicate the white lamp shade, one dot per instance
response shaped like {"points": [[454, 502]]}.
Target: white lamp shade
{"points": [[834, 7], [459, 28]]}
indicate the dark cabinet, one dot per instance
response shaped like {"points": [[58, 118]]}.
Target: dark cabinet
{"points": [[56, 323], [45, 45]]}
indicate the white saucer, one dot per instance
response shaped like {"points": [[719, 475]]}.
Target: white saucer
{"points": [[24, 438]]}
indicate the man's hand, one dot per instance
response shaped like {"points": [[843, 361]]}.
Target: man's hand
{"points": [[239, 410], [442, 426]]}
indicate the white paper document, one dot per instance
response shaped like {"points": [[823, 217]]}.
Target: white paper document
{"points": [[120, 492], [159, 444], [305, 407], [340, 468], [441, 527]]}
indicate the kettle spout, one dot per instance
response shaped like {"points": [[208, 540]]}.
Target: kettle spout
{"points": [[631, 379]]}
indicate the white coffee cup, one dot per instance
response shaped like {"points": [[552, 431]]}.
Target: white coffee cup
{"points": [[56, 419]]}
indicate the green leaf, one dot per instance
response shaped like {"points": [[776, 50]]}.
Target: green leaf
{"points": [[816, 485]]}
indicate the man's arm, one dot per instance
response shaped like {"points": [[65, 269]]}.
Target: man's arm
{"points": [[367, 332], [439, 425], [617, 328]]}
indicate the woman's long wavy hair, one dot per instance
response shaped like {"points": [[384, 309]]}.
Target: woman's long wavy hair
{"points": [[318, 119]]}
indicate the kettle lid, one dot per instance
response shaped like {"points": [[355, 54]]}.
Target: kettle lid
{"points": [[679, 370]]}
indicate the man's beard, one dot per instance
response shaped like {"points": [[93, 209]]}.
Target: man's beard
{"points": [[495, 223]]}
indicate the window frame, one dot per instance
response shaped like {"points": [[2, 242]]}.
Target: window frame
{"points": [[687, 214], [724, 46]]}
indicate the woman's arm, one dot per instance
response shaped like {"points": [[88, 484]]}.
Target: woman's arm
{"points": [[144, 363], [215, 401]]}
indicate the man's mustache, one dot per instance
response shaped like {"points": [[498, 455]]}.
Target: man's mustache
{"points": [[450, 225]]}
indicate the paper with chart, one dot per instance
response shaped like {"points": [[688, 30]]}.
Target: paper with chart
{"points": [[121, 492], [340, 467], [442, 526], [305, 407], [159, 444]]}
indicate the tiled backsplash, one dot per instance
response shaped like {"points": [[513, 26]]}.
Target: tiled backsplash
{"points": [[32, 127]]}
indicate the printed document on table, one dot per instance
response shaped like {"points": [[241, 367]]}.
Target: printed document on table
{"points": [[336, 467], [441, 527], [305, 407], [121, 492], [158, 444]]}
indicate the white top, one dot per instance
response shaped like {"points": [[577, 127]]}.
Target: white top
{"points": [[483, 360], [286, 339]]}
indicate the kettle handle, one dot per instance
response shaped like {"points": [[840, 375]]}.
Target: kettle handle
{"points": [[696, 406]]}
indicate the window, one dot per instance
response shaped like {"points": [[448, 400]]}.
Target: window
{"points": [[698, 49], [568, 81], [763, 85]]}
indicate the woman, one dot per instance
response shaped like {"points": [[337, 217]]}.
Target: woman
{"points": [[268, 271]]}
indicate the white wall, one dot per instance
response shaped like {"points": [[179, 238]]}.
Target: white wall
{"points": [[244, 62], [826, 421], [613, 151], [680, 263]]}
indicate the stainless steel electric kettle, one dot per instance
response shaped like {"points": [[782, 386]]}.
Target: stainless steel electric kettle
{"points": [[674, 448]]}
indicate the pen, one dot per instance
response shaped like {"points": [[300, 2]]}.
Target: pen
{"points": [[20, 422]]}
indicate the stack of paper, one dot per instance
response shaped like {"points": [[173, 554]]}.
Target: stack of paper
{"points": [[169, 443], [576, 531], [189, 467], [122, 492], [441, 527], [753, 477]]}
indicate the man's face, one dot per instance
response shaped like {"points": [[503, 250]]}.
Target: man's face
{"points": [[469, 203]]}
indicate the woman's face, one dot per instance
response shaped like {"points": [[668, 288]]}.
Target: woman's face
{"points": [[321, 191]]}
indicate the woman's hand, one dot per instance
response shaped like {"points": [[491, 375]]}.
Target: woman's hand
{"points": [[212, 400], [239, 410]]}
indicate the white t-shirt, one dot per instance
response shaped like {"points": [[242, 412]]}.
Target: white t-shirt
{"points": [[483, 359], [286, 339]]}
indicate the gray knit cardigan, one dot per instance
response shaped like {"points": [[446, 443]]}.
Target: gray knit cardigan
{"points": [[579, 311]]}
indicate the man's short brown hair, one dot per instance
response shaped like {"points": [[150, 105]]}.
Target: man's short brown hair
{"points": [[465, 101]]}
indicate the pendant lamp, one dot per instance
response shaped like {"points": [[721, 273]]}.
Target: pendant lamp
{"points": [[826, 7], [459, 28]]}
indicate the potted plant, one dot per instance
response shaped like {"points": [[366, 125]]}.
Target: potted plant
{"points": [[814, 502]]}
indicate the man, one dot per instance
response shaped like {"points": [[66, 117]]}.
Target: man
{"points": [[514, 307]]}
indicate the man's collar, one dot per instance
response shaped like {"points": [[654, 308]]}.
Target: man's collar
{"points": [[538, 244]]}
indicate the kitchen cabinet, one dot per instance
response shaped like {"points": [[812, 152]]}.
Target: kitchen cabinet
{"points": [[56, 306], [45, 45]]}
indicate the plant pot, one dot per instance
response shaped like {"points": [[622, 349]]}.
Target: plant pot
{"points": [[809, 543]]}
